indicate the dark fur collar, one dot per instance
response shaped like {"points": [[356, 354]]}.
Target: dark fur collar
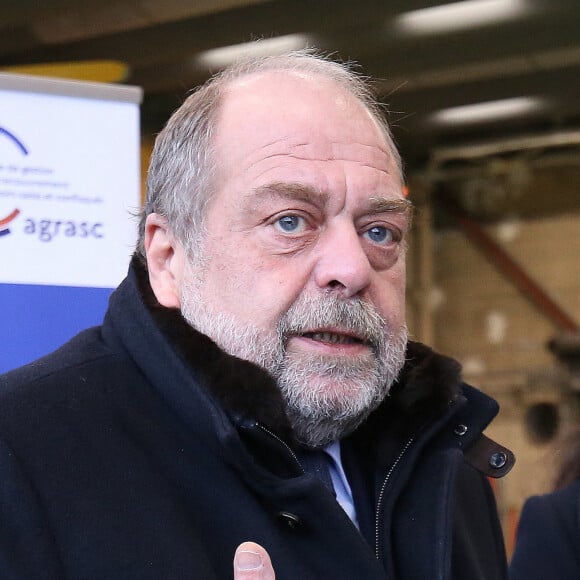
{"points": [[426, 385]]}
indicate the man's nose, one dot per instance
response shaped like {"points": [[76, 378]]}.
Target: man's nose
{"points": [[342, 263]]}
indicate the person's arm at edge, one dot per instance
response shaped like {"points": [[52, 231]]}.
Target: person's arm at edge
{"points": [[541, 545]]}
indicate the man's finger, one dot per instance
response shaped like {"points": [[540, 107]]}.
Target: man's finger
{"points": [[251, 562]]}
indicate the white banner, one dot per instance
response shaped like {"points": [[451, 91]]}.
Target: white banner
{"points": [[69, 181]]}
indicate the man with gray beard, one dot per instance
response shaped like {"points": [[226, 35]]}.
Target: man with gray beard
{"points": [[318, 416], [252, 395]]}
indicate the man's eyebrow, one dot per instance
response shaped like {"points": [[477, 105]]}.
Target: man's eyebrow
{"points": [[293, 191], [302, 192], [389, 205]]}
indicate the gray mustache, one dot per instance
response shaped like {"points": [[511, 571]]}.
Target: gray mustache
{"points": [[352, 316]]}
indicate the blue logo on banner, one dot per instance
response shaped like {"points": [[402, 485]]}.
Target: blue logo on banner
{"points": [[11, 137]]}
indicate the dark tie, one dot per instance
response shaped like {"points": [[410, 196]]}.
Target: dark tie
{"points": [[315, 462]]}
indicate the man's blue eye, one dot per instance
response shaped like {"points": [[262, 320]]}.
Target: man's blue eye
{"points": [[290, 223], [379, 234]]}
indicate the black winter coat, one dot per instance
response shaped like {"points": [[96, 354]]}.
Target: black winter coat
{"points": [[139, 450], [548, 541]]}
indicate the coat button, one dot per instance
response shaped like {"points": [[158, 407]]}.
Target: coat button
{"points": [[498, 459], [460, 430], [291, 520]]}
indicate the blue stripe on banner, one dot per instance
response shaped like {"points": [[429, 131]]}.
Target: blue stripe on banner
{"points": [[35, 320]]}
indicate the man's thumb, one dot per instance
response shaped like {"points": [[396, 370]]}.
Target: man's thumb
{"points": [[251, 562]]}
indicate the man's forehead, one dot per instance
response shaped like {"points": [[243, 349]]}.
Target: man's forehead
{"points": [[282, 93], [261, 123], [375, 156]]}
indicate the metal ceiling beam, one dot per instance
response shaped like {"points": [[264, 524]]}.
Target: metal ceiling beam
{"points": [[554, 139]]}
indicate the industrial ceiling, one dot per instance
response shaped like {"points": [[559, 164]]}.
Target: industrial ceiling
{"points": [[525, 62]]}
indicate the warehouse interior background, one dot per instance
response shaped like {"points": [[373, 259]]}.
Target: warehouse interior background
{"points": [[484, 100]]}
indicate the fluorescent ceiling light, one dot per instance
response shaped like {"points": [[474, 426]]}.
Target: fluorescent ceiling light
{"points": [[223, 56], [489, 111], [460, 15]]}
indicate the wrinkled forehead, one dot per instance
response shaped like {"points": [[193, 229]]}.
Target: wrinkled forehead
{"points": [[270, 109]]}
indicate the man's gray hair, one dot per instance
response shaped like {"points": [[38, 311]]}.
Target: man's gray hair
{"points": [[179, 179]]}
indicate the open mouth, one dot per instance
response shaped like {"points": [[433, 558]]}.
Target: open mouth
{"points": [[333, 338]]}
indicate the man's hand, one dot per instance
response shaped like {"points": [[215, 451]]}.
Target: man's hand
{"points": [[251, 562]]}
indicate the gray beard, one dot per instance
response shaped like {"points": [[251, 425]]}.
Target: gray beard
{"points": [[326, 397]]}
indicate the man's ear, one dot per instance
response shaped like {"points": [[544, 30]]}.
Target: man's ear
{"points": [[165, 261]]}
